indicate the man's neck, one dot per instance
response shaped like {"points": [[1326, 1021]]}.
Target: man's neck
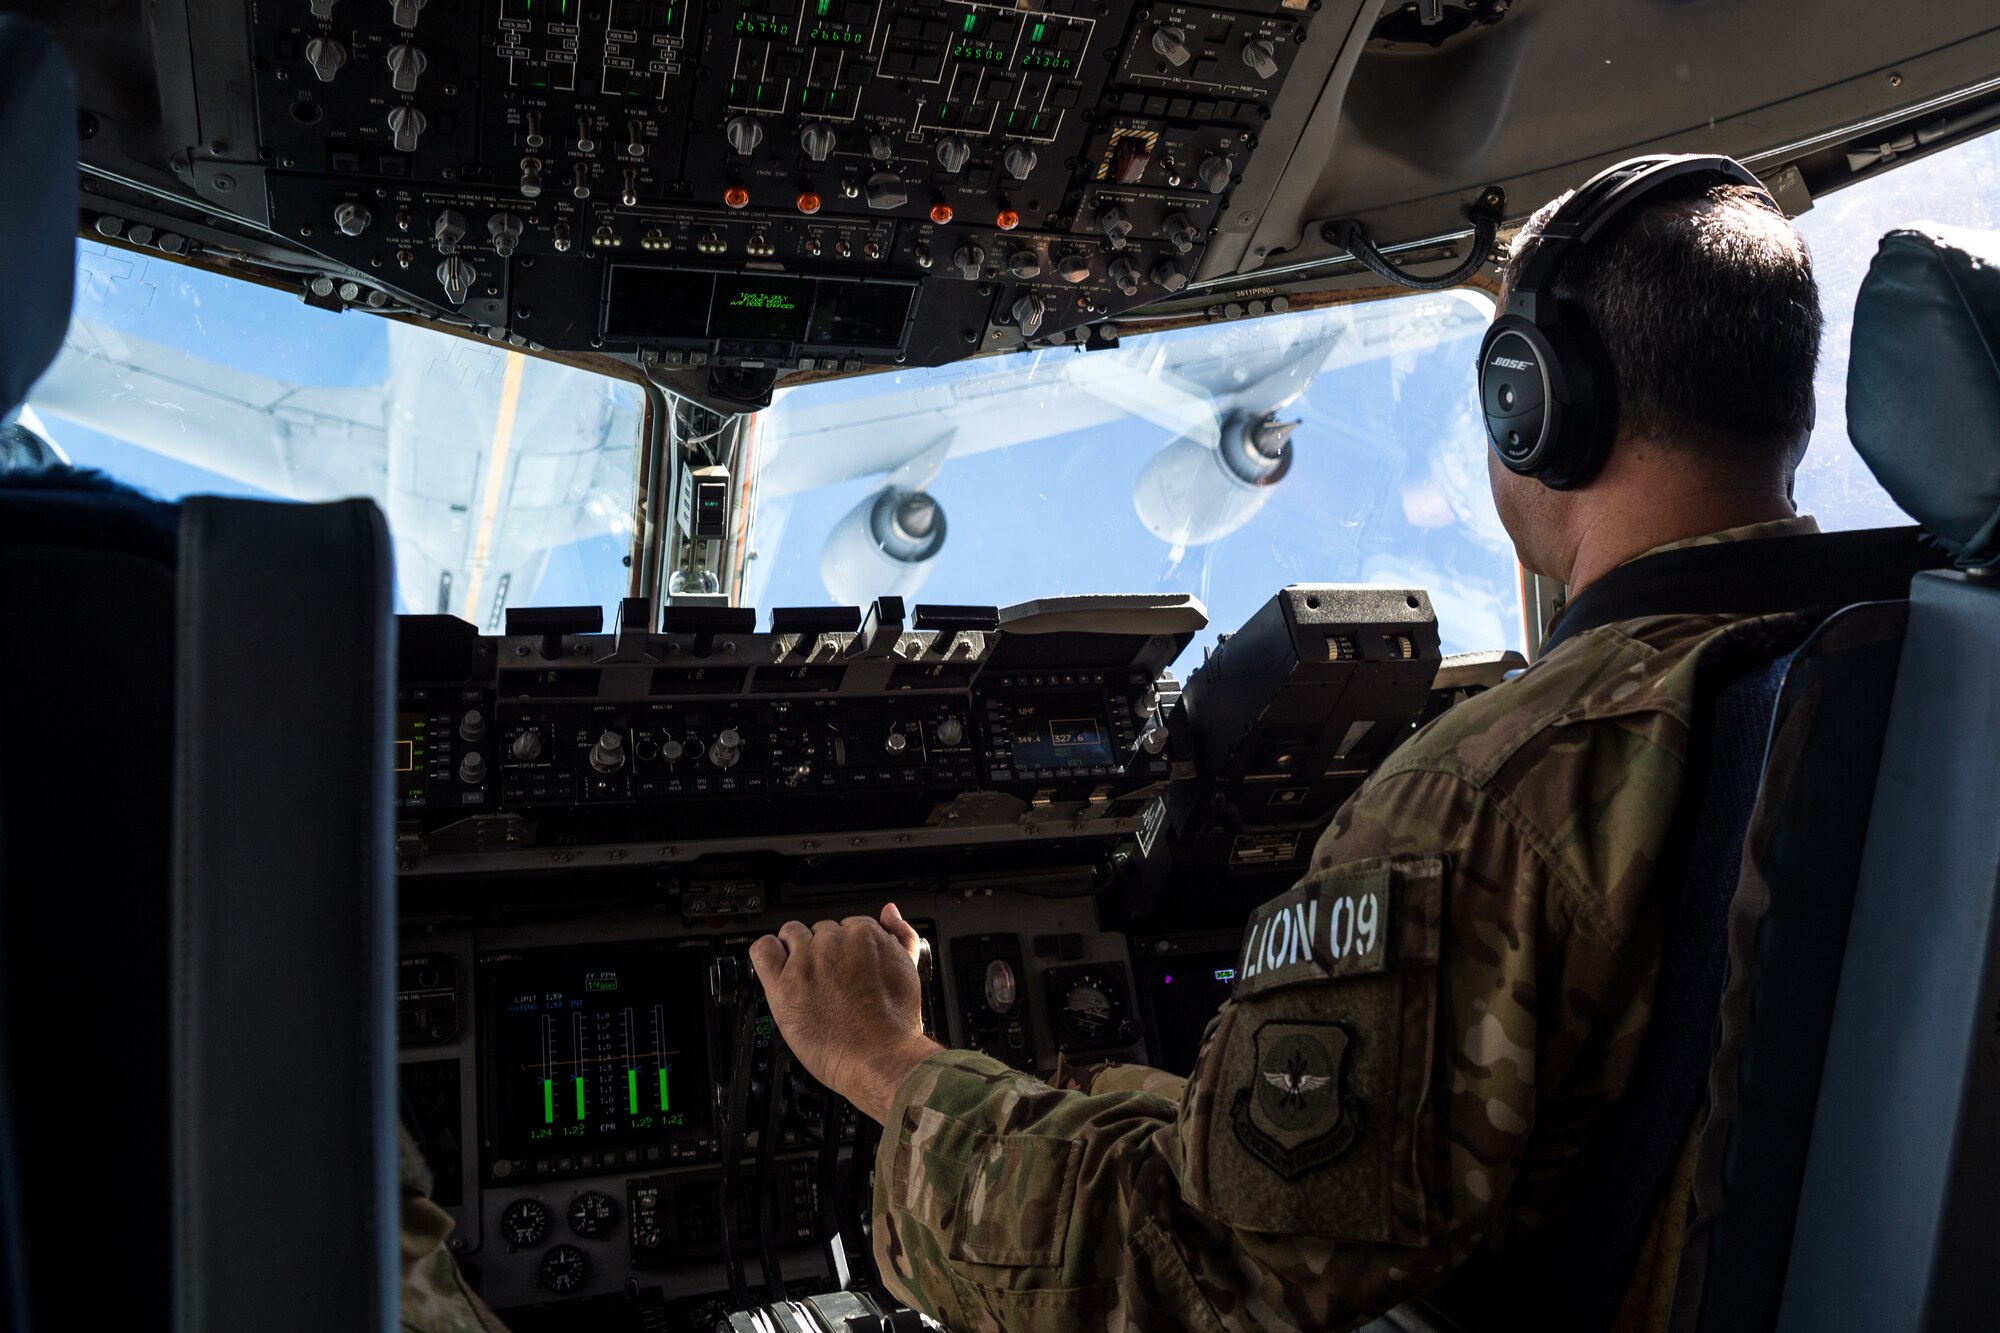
{"points": [[1608, 538]]}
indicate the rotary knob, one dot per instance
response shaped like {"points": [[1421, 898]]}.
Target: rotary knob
{"points": [[953, 152], [1024, 264], [527, 746], [1028, 310], [817, 140], [1124, 275], [1261, 57], [1073, 268], [472, 726], [505, 231], [1214, 173], [1115, 224], [608, 755], [897, 743], [1180, 231], [406, 62], [1170, 40], [743, 133], [406, 126], [1018, 161], [881, 147], [950, 731], [727, 748], [457, 275], [968, 259], [885, 189], [403, 13], [447, 230], [472, 768], [326, 56], [322, 9], [351, 218], [1170, 275]]}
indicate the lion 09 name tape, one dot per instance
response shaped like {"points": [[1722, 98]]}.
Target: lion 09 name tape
{"points": [[1325, 927]]}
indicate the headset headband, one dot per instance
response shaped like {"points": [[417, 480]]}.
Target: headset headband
{"points": [[1605, 197]]}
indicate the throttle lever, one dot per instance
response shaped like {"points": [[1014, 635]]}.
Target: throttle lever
{"points": [[729, 985]]}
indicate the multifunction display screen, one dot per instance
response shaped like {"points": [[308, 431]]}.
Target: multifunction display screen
{"points": [[1058, 733], [655, 303], [601, 1050]]}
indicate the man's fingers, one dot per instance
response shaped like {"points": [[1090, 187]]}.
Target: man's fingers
{"points": [[905, 933], [767, 956], [825, 927], [795, 935]]}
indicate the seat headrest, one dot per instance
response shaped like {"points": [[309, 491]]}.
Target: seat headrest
{"points": [[1923, 383], [38, 225]]}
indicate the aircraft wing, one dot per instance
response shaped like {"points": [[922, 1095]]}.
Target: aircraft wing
{"points": [[303, 442]]}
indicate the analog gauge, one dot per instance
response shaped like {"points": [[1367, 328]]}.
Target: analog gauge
{"points": [[524, 1223], [562, 1270], [1090, 1005], [592, 1216]]}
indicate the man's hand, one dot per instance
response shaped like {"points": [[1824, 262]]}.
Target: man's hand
{"points": [[846, 997]]}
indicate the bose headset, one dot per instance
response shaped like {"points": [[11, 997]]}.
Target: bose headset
{"points": [[1547, 390]]}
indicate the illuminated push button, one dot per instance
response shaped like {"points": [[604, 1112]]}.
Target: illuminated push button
{"points": [[1028, 311], [950, 731], [326, 56], [1170, 40], [351, 218], [472, 768], [808, 202], [1261, 57], [1124, 275], [608, 755], [736, 197], [405, 63], [1007, 219], [940, 213], [953, 152], [472, 726], [1002, 991], [816, 141], [528, 746], [1018, 161]]}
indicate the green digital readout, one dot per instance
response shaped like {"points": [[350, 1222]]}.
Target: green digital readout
{"points": [[763, 301], [1043, 60], [768, 309]]}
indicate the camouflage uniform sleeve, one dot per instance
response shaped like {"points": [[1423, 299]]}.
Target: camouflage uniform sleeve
{"points": [[1353, 1129], [436, 1297], [1117, 1078]]}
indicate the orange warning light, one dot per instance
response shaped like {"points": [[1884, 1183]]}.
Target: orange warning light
{"points": [[736, 196], [808, 202], [940, 213], [1007, 220]]}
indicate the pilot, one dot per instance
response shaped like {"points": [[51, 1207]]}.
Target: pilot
{"points": [[1426, 1033]]}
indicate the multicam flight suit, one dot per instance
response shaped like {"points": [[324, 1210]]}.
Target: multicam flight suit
{"points": [[436, 1297], [1424, 1037]]}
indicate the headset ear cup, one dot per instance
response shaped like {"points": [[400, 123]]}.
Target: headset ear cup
{"points": [[1523, 413], [1585, 388]]}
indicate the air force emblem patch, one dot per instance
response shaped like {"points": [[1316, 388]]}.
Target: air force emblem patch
{"points": [[1297, 1114]]}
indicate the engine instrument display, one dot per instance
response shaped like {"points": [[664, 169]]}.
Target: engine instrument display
{"points": [[602, 1055]]}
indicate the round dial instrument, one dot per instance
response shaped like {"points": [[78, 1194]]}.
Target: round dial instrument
{"points": [[592, 1216], [1091, 1005], [562, 1270], [525, 1222]]}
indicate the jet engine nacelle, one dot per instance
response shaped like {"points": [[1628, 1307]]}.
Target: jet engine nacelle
{"points": [[1192, 492], [885, 546]]}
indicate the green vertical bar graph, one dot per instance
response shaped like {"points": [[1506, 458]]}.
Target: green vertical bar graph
{"points": [[579, 1099], [632, 1089], [548, 1101], [663, 1090]]}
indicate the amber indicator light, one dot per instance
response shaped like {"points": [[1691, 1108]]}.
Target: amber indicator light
{"points": [[736, 196], [940, 213]]}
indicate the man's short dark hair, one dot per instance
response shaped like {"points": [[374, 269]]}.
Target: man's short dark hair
{"points": [[1709, 317]]}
